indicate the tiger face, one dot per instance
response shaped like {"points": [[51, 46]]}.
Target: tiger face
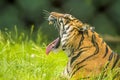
{"points": [[60, 20], [63, 23]]}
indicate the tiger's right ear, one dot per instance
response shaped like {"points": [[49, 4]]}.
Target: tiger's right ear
{"points": [[92, 28]]}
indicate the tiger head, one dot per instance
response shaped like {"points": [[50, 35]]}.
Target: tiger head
{"points": [[67, 26], [62, 20]]}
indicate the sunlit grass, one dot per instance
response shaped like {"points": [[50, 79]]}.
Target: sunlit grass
{"points": [[29, 62], [21, 58]]}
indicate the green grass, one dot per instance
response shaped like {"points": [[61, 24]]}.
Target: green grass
{"points": [[21, 58], [28, 62]]}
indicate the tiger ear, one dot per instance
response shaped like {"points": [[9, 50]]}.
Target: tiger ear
{"points": [[85, 28], [92, 28], [82, 29]]}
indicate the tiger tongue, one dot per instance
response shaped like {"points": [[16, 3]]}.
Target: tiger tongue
{"points": [[52, 45]]}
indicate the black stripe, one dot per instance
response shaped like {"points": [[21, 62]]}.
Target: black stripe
{"points": [[74, 19], [106, 66], [67, 22], [64, 32], [85, 47], [81, 40], [67, 69], [117, 59], [63, 47], [95, 44], [96, 51], [72, 52], [83, 60], [93, 39], [111, 56], [87, 33], [109, 59], [106, 52], [77, 70], [75, 57], [71, 30], [58, 22], [67, 28]]}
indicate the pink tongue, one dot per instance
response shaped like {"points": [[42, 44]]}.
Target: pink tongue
{"points": [[51, 46]]}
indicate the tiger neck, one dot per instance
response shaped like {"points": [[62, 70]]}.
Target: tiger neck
{"points": [[88, 47], [86, 42]]}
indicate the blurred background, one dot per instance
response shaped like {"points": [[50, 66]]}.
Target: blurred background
{"points": [[104, 15]]}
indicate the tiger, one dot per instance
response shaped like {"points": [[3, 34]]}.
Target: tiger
{"points": [[88, 54]]}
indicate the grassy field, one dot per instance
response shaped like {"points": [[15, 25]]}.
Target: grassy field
{"points": [[23, 59]]}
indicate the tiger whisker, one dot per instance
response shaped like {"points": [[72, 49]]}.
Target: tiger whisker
{"points": [[46, 12]]}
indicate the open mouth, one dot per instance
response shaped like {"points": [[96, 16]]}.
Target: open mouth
{"points": [[56, 43], [53, 45]]}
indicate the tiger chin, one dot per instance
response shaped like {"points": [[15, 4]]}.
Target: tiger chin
{"points": [[88, 55]]}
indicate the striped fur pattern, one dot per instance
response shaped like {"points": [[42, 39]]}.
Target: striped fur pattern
{"points": [[87, 52]]}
